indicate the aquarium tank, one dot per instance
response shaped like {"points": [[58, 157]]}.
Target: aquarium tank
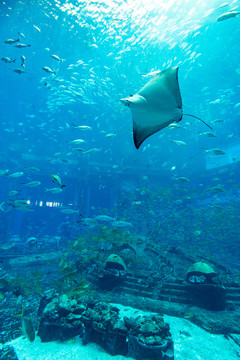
{"points": [[119, 160]]}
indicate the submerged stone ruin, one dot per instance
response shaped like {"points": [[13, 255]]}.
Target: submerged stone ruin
{"points": [[138, 336]]}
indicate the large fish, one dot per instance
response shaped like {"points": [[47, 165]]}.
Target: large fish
{"points": [[156, 105]]}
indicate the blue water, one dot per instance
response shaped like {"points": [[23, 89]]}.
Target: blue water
{"points": [[108, 48]]}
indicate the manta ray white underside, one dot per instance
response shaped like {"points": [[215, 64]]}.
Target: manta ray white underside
{"points": [[156, 105]]}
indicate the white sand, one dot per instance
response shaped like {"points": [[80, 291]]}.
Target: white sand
{"points": [[201, 345], [60, 351]]}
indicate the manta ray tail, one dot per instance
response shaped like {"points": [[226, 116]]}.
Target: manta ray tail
{"points": [[199, 119]]}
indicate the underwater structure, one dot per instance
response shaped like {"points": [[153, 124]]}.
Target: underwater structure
{"points": [[205, 287]]}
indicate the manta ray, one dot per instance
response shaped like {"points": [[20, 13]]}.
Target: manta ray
{"points": [[156, 105]]}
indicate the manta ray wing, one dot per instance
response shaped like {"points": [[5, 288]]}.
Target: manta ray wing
{"points": [[156, 105]]}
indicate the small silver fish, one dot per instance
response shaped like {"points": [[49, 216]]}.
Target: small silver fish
{"points": [[174, 126], [77, 141], [20, 46], [16, 174], [69, 211], [8, 60], [3, 172], [110, 135], [181, 178], [216, 151], [104, 218], [91, 151], [19, 71], [185, 333], [33, 184], [216, 189], [209, 134], [82, 127], [179, 142], [13, 193], [27, 328], [37, 28], [218, 121], [22, 35], [11, 41], [23, 59], [228, 15], [55, 57], [20, 202], [48, 70], [54, 190], [169, 353], [57, 180]]}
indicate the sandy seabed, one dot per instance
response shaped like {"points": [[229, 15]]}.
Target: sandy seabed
{"points": [[201, 345], [60, 351]]}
